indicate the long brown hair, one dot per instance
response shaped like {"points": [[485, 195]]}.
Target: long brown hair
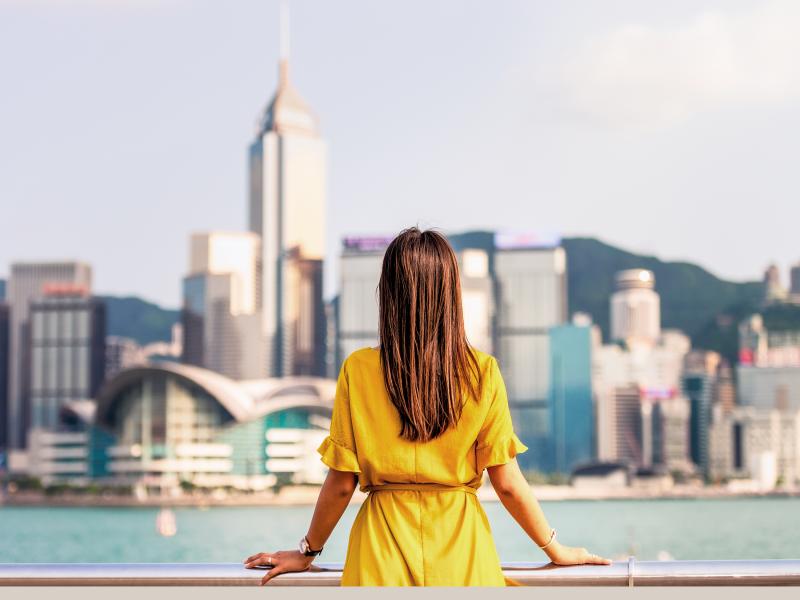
{"points": [[425, 357]]}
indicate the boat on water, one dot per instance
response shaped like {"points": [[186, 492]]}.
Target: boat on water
{"points": [[165, 523]]}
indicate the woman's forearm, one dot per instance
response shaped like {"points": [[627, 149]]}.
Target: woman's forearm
{"points": [[334, 496], [515, 494]]}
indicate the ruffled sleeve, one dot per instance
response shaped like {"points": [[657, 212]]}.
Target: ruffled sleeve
{"points": [[338, 449], [497, 443]]}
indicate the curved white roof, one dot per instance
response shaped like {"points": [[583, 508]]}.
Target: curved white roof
{"points": [[244, 400]]}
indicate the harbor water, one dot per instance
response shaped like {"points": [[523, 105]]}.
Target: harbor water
{"points": [[681, 529]]}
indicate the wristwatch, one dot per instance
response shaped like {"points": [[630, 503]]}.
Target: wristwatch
{"points": [[306, 550]]}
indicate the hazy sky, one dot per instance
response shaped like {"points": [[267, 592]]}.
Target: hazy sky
{"points": [[665, 127]]}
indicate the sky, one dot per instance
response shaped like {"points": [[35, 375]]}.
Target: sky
{"points": [[667, 128]]}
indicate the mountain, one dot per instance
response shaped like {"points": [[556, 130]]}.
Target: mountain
{"points": [[138, 319], [703, 306]]}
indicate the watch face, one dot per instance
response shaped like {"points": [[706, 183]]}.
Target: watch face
{"points": [[306, 549]]}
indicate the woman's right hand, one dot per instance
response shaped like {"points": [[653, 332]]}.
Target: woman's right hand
{"points": [[567, 555]]}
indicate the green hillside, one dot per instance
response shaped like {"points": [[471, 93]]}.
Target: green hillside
{"points": [[693, 300], [138, 319]]}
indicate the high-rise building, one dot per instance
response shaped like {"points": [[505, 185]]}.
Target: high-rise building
{"points": [[25, 285], [2, 290], [477, 297], [571, 405], [725, 388], [769, 387], [357, 305], [699, 384], [669, 426], [654, 372], [625, 416], [5, 325], [756, 442], [635, 308], [221, 311], [287, 210], [794, 283], [773, 288], [67, 351], [763, 347], [121, 353], [530, 282]]}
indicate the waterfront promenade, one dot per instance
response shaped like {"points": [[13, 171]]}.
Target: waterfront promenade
{"points": [[305, 495]]}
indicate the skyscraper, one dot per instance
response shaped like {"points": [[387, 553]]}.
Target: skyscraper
{"points": [[477, 297], [26, 284], [67, 353], [5, 320], [570, 398], [530, 277], [221, 313], [699, 383], [635, 308], [359, 272], [773, 288], [794, 283], [287, 209]]}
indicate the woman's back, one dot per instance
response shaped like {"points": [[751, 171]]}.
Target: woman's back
{"points": [[422, 523]]}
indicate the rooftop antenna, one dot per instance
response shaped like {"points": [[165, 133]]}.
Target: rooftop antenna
{"points": [[284, 44]]}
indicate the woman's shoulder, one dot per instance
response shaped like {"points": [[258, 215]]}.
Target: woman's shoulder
{"points": [[485, 360], [362, 355]]}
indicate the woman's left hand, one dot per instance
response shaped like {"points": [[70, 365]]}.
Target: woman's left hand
{"points": [[284, 561]]}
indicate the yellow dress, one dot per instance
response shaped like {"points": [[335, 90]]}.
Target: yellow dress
{"points": [[421, 523]]}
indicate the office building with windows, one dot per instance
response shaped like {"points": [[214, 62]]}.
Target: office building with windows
{"points": [[635, 308], [700, 383], [570, 398], [5, 326], [67, 352], [26, 284], [288, 162], [357, 317], [221, 309], [761, 444]]}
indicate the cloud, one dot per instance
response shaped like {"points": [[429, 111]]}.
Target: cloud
{"points": [[650, 77]]}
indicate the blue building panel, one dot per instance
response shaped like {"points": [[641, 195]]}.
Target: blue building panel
{"points": [[572, 422]]}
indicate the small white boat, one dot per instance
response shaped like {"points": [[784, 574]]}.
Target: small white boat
{"points": [[165, 523]]}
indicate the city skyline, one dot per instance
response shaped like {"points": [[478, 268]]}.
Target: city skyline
{"points": [[404, 123]]}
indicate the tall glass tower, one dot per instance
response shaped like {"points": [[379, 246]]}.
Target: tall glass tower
{"points": [[287, 209]]}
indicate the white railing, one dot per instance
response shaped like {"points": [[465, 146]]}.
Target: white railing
{"points": [[627, 573]]}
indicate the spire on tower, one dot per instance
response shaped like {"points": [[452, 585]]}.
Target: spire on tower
{"points": [[284, 45], [287, 111]]}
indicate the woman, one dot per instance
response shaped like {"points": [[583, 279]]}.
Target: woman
{"points": [[416, 420]]}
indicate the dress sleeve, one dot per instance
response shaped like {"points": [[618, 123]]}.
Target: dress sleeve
{"points": [[497, 443], [338, 449]]}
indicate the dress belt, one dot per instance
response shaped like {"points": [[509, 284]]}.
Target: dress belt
{"points": [[420, 487]]}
